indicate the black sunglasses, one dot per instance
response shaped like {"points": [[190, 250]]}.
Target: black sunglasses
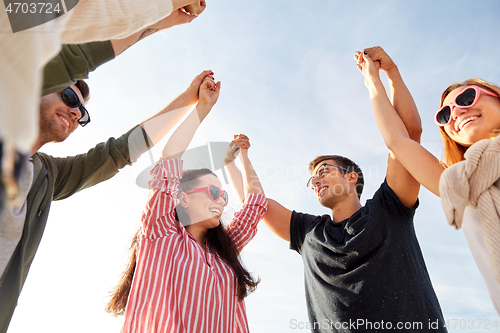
{"points": [[70, 98]]}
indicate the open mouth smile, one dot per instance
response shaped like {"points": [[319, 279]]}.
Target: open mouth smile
{"points": [[466, 122], [322, 189], [65, 121], [216, 211]]}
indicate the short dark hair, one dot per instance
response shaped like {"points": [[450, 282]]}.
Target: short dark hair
{"points": [[343, 162], [84, 89]]}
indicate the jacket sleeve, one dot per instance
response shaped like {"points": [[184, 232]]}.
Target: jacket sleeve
{"points": [[73, 63], [100, 163]]}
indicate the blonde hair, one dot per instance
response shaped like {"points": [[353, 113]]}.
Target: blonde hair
{"points": [[453, 151]]}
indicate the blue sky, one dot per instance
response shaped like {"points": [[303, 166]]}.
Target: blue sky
{"points": [[290, 83]]}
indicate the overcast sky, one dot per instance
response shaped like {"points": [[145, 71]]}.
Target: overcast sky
{"points": [[290, 83]]}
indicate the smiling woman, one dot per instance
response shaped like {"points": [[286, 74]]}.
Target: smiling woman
{"points": [[185, 273], [477, 118]]}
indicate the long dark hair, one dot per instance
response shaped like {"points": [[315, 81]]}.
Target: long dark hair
{"points": [[217, 242]]}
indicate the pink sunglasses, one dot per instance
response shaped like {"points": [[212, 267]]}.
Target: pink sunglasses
{"points": [[467, 98], [213, 192]]}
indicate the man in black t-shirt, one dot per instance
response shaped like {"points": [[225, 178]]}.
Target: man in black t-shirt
{"points": [[364, 270]]}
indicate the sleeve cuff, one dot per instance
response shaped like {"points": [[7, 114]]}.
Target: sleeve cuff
{"points": [[256, 199], [98, 53], [169, 170]]}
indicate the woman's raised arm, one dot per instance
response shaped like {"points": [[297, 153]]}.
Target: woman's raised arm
{"points": [[419, 162], [180, 139], [245, 183]]}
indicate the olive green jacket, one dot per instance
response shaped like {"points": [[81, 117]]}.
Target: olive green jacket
{"points": [[73, 63], [55, 179], [58, 178]]}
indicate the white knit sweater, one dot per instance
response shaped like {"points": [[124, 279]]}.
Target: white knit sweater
{"points": [[473, 231], [23, 54], [473, 183]]}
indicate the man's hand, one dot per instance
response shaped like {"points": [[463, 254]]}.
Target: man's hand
{"points": [[191, 95], [240, 142], [209, 92]]}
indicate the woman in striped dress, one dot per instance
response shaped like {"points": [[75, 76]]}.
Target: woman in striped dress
{"points": [[185, 274]]}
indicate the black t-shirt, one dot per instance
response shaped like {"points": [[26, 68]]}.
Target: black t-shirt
{"points": [[366, 273]]}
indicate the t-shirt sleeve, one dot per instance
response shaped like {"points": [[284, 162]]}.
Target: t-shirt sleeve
{"points": [[386, 199], [300, 225]]}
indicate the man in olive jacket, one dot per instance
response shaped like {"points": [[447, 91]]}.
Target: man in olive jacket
{"points": [[48, 178], [54, 178]]}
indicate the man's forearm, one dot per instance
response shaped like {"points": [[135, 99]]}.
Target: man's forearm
{"points": [[120, 45], [251, 180], [236, 180], [161, 123], [175, 18], [404, 104], [180, 139]]}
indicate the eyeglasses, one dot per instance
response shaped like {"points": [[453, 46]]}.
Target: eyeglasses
{"points": [[213, 192], [465, 99], [322, 171], [70, 98]]}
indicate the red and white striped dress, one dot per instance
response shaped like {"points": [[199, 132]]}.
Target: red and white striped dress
{"points": [[177, 286]]}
